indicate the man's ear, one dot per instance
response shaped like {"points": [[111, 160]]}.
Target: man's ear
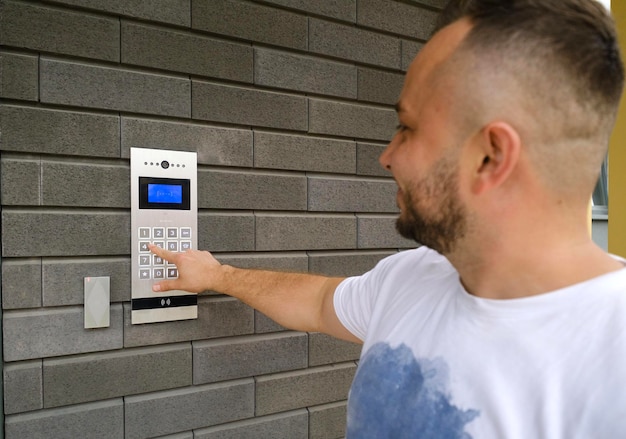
{"points": [[498, 154]]}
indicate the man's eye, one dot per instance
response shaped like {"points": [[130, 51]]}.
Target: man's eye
{"points": [[400, 128]]}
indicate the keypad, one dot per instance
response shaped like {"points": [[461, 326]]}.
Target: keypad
{"points": [[175, 239]]}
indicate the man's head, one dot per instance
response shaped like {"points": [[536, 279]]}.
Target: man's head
{"points": [[547, 72], [557, 62]]}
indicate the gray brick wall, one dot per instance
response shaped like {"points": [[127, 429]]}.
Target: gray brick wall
{"points": [[288, 104]]}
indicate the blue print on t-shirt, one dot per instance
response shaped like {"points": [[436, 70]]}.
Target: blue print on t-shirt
{"points": [[394, 395]]}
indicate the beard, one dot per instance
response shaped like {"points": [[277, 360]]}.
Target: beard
{"points": [[444, 223]]}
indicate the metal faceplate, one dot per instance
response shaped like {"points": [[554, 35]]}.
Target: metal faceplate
{"points": [[164, 211]]}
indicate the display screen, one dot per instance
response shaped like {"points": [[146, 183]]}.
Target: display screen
{"points": [[165, 193]]}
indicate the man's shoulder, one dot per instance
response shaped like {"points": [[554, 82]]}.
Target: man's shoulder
{"points": [[417, 259]]}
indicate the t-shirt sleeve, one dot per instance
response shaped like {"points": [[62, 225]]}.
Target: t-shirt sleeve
{"points": [[355, 299]]}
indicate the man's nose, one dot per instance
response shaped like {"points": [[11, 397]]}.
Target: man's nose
{"points": [[385, 157]]}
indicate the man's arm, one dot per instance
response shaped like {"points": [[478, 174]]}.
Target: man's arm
{"points": [[299, 301]]}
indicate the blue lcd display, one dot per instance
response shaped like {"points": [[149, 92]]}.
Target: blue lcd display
{"points": [[165, 193]]}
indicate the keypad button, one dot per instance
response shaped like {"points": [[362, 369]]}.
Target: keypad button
{"points": [[157, 260], [185, 245], [160, 244], [144, 273], [172, 273], [172, 246], [159, 273], [143, 246], [185, 232], [144, 260], [144, 232], [172, 233], [158, 232]]}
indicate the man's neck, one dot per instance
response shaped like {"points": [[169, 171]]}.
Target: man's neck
{"points": [[504, 271]]}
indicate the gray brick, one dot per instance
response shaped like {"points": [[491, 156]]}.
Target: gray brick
{"points": [[63, 279], [379, 231], [367, 163], [291, 390], [345, 194], [168, 11], [95, 377], [281, 151], [19, 76], [304, 232], [263, 324], [436, 3], [289, 425], [187, 408], [250, 22], [185, 52], [251, 190], [38, 130], [185, 435], [55, 332], [351, 43], [268, 261], [20, 181], [340, 9], [226, 232], [328, 421], [227, 359], [304, 73], [68, 83], [379, 86], [217, 317], [64, 233], [63, 32], [99, 420], [93, 184], [344, 264], [21, 283], [350, 120], [23, 387], [399, 18], [324, 349], [245, 106], [215, 146], [409, 51]]}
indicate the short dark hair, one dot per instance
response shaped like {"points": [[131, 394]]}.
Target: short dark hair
{"points": [[578, 34]]}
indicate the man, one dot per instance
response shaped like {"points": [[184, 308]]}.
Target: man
{"points": [[509, 322]]}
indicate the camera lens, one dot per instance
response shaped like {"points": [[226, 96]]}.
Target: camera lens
{"points": [[165, 164]]}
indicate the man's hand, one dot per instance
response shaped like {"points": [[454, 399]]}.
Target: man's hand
{"points": [[196, 270], [299, 301]]}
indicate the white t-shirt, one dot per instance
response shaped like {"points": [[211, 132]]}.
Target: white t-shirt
{"points": [[439, 363]]}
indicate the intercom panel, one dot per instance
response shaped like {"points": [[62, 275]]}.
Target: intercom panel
{"points": [[164, 212]]}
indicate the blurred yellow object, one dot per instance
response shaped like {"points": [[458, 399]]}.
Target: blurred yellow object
{"points": [[617, 154]]}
